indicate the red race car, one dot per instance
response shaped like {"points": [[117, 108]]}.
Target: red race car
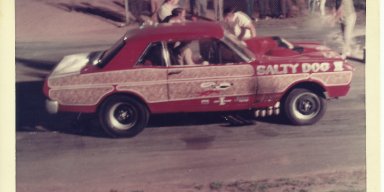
{"points": [[148, 72]]}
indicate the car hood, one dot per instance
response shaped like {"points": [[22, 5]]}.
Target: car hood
{"points": [[270, 47], [72, 64], [317, 50]]}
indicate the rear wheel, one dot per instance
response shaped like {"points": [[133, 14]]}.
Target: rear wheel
{"points": [[304, 107], [122, 116]]}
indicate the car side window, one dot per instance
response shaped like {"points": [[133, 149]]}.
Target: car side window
{"points": [[153, 56], [184, 53], [205, 51], [217, 52], [227, 55]]}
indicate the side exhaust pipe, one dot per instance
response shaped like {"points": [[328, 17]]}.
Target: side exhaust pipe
{"points": [[275, 110]]}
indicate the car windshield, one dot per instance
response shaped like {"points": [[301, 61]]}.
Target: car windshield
{"points": [[107, 55], [239, 46]]}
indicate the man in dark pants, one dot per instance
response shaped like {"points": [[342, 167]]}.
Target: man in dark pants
{"points": [[136, 8], [199, 7], [275, 8], [264, 8], [250, 8], [285, 8]]}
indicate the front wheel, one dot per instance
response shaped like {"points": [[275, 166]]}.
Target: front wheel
{"points": [[304, 107], [122, 116]]}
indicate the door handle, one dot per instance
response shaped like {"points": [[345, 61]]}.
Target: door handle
{"points": [[174, 72], [224, 86]]}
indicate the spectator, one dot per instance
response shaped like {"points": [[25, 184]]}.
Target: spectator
{"points": [[250, 8], [182, 3], [155, 6], [166, 9], [322, 7], [312, 4], [264, 9], [199, 7], [345, 13], [239, 24], [285, 6], [218, 6], [300, 4], [136, 8], [275, 8], [177, 16]]}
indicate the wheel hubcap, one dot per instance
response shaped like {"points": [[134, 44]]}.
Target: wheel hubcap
{"points": [[123, 116], [307, 106]]}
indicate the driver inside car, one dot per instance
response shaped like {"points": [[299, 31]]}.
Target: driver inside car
{"points": [[185, 55]]}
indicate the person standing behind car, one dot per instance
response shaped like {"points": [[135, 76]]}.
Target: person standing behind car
{"points": [[239, 24], [302, 7], [250, 8], [199, 7], [155, 6], [312, 4], [346, 15], [285, 6], [136, 7], [166, 9], [182, 3], [275, 9], [264, 9], [177, 16], [322, 7]]}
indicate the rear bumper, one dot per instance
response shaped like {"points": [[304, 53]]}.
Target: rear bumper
{"points": [[52, 106]]}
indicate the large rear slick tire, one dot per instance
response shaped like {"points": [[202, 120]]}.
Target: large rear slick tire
{"points": [[123, 116], [304, 107]]}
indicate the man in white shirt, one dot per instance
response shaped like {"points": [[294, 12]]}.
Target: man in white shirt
{"points": [[166, 9], [322, 7], [345, 12], [239, 24]]}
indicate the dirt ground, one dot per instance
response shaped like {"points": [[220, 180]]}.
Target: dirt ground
{"points": [[348, 181]]}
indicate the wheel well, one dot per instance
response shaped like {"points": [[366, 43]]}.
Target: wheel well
{"points": [[133, 96], [315, 87]]}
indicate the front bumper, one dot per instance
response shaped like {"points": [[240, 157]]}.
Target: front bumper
{"points": [[52, 106]]}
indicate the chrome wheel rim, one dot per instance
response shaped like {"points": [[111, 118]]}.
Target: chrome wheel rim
{"points": [[123, 116], [306, 106]]}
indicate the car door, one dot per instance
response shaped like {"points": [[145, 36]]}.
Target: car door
{"points": [[220, 80], [149, 77]]}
